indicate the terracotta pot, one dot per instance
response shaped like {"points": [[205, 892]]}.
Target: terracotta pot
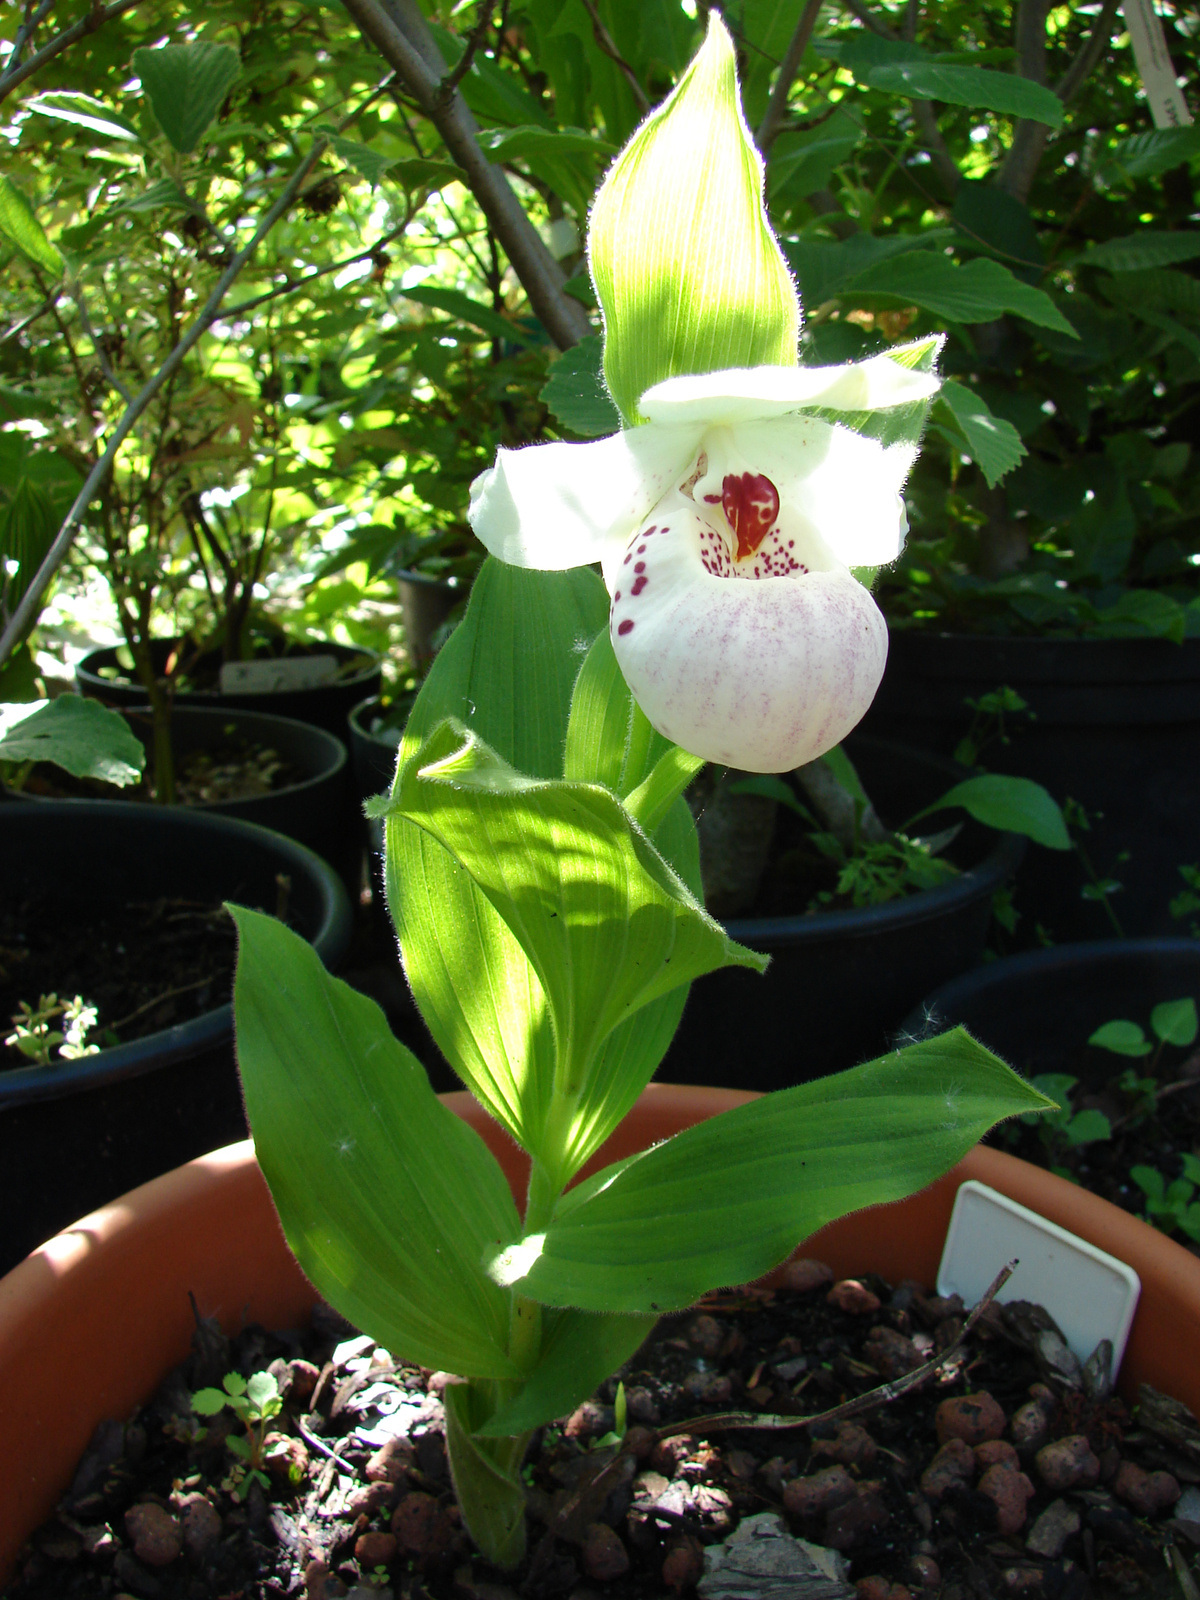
{"points": [[91, 1322]]}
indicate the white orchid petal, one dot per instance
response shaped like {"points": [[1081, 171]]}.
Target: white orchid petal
{"points": [[763, 674], [846, 485], [554, 506], [748, 394]]}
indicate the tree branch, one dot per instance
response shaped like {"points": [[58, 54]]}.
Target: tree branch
{"points": [[400, 33], [605, 40], [95, 18], [773, 117], [1087, 57], [26, 613]]}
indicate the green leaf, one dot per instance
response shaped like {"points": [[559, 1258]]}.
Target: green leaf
{"points": [[1174, 1021], [81, 109], [262, 1389], [460, 305], [508, 672], [1145, 155], [599, 726], [508, 143], [804, 161], [419, 175], [1150, 1181], [990, 440], [186, 85], [81, 736], [1087, 1127], [575, 391], [844, 770], [605, 923], [1017, 805], [387, 1199], [970, 86], [976, 291], [207, 1402], [237, 1446], [727, 1200], [674, 300], [371, 163], [1122, 1038], [579, 1350], [1135, 252], [825, 269], [18, 223], [491, 1495]]}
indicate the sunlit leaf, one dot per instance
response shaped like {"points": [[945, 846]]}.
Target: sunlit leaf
{"points": [[976, 87], [728, 1199], [81, 736], [186, 85], [990, 440], [18, 223], [387, 1199]]}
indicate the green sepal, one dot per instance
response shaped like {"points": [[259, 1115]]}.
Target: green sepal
{"points": [[688, 274], [387, 1199], [725, 1201]]}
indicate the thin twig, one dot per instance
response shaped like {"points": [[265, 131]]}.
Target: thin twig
{"points": [[168, 994], [400, 33], [465, 62], [776, 110], [94, 18], [606, 42], [319, 1444], [720, 1421], [309, 277]]}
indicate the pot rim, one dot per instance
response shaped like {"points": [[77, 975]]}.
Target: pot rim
{"points": [[21, 1086], [44, 1300], [85, 670]]}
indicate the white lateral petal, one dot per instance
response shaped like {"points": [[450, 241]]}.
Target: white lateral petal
{"points": [[742, 394], [847, 486], [762, 674], [554, 506]]}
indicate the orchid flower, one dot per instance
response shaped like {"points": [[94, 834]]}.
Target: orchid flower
{"points": [[726, 527]]}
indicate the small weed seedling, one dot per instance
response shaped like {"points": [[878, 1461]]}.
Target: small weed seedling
{"points": [[254, 1401], [1173, 1206], [35, 1038], [1065, 1129]]}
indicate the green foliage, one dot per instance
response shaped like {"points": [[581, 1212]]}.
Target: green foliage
{"points": [[185, 84], [1065, 1129], [19, 224], [1172, 1206], [83, 737], [255, 1402], [1017, 805]]}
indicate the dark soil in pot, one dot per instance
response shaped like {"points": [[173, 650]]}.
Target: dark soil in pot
{"points": [[77, 1133], [353, 674], [841, 980], [1039, 1010], [1112, 723], [281, 773], [997, 1475]]}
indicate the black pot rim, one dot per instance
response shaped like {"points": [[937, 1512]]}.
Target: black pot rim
{"points": [[1064, 958], [24, 1085], [86, 673], [983, 879], [336, 755]]}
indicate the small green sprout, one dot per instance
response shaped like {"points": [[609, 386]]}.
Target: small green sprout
{"points": [[1172, 1206], [33, 1036], [1065, 1128], [254, 1401], [616, 1434]]}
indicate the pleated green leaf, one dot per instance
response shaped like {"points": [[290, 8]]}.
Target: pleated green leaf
{"points": [[507, 672], [976, 87], [990, 440], [727, 1200], [185, 85], [387, 1199], [687, 271], [606, 924]]}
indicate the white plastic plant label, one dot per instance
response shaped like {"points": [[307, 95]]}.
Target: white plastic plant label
{"points": [[1090, 1294], [1163, 95], [273, 676]]}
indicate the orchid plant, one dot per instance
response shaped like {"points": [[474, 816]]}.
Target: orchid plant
{"points": [[542, 865]]}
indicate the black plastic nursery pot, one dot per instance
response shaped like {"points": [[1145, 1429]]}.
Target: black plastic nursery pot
{"points": [[1038, 1010], [75, 1134], [1117, 728], [839, 982], [325, 705], [317, 808], [426, 602], [372, 749]]}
